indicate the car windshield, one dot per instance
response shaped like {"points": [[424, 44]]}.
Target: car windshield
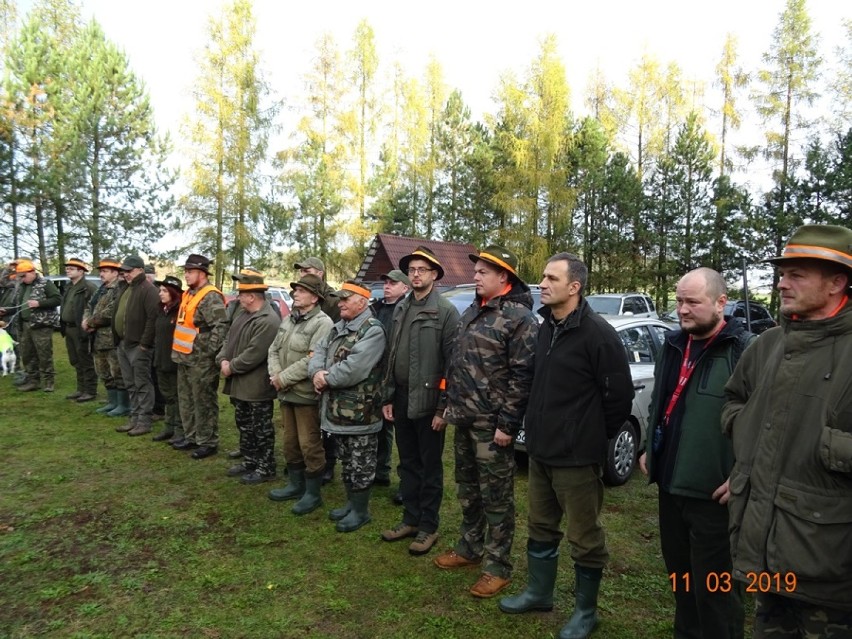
{"points": [[604, 305]]}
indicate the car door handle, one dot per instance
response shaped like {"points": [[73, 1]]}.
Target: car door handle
{"points": [[639, 387]]}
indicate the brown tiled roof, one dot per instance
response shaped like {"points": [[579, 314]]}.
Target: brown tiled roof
{"points": [[386, 251]]}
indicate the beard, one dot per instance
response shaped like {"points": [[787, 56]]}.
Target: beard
{"points": [[703, 328]]}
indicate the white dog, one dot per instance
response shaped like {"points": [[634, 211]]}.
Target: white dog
{"points": [[7, 352]]}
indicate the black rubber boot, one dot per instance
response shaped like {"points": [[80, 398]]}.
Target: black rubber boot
{"points": [[585, 617], [542, 562]]}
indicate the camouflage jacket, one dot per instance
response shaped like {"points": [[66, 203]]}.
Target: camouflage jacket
{"points": [[492, 365], [289, 354], [212, 322], [45, 315], [98, 313], [352, 355]]}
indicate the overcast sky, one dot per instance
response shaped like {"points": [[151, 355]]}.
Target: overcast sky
{"points": [[474, 41]]}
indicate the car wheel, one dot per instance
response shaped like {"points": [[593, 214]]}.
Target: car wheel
{"points": [[621, 455]]}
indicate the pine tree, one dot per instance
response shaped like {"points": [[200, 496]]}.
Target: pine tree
{"points": [[229, 138], [788, 80]]}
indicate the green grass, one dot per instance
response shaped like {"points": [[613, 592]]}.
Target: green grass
{"points": [[103, 535]]}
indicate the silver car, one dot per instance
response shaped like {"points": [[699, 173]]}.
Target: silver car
{"points": [[642, 338]]}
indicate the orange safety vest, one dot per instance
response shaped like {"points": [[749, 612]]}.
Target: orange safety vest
{"points": [[185, 329]]}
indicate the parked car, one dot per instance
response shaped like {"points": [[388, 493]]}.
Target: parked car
{"points": [[282, 296], [761, 318], [462, 296], [614, 304], [642, 339]]}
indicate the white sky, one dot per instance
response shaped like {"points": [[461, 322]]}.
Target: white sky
{"points": [[474, 41]]}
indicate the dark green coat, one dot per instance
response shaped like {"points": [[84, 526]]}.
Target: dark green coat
{"points": [[246, 347], [75, 301], [789, 413], [433, 333]]}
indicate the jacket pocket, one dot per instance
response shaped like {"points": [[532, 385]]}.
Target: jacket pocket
{"points": [[835, 450], [740, 487], [429, 394], [352, 408], [809, 535]]}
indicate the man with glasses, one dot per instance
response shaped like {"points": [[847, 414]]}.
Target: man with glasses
{"points": [[421, 340]]}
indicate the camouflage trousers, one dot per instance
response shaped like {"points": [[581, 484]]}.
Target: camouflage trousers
{"points": [[357, 454], [199, 403], [777, 616], [108, 369], [78, 344], [485, 474], [257, 434], [169, 389], [37, 352]]}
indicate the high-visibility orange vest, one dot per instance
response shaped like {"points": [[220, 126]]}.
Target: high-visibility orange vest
{"points": [[185, 329]]}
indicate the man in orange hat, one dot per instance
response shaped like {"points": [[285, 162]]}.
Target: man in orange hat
{"points": [[97, 322], [74, 304], [488, 384], [242, 362], [34, 307], [346, 370]]}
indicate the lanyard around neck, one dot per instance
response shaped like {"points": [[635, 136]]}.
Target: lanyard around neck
{"points": [[686, 370]]}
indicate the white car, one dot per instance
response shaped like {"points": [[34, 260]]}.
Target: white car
{"points": [[642, 338], [617, 304]]}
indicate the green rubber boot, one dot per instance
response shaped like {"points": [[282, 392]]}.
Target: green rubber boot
{"points": [[359, 515], [339, 513], [312, 499], [122, 408], [585, 617], [112, 402], [295, 487], [542, 562]]}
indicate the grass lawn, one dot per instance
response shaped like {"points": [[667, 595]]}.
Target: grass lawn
{"points": [[103, 535]]}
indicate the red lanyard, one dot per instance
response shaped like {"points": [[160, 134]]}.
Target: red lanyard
{"points": [[686, 369]]}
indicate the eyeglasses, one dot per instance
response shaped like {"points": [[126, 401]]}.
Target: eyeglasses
{"points": [[419, 270]]}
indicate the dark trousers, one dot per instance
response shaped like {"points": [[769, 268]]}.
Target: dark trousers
{"points": [[383, 463], [421, 468], [136, 371], [80, 357], [575, 494], [694, 540]]}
